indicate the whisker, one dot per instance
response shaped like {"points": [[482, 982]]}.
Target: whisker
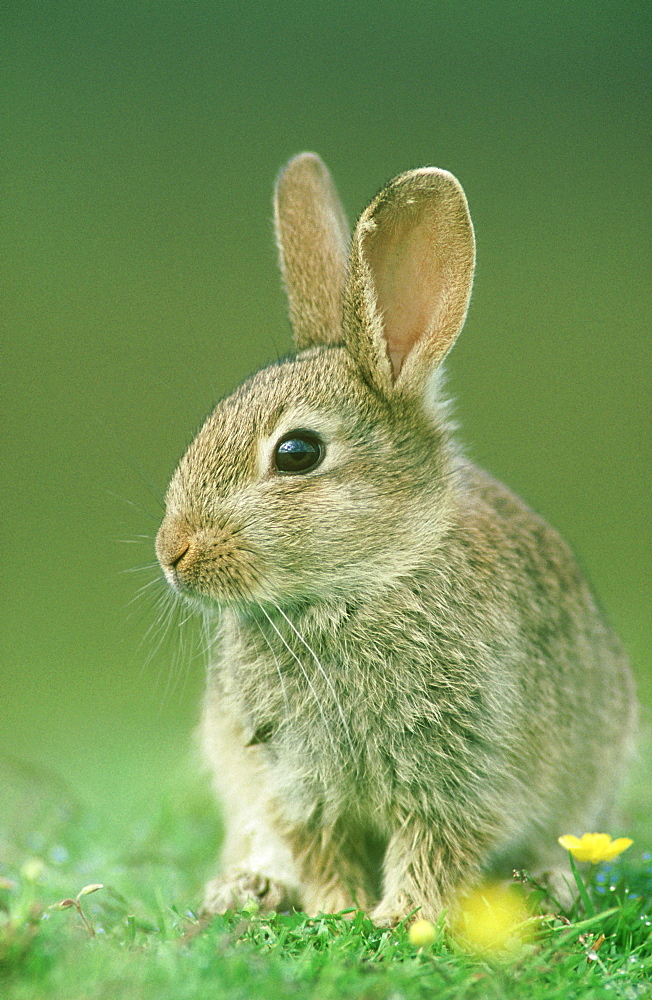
{"points": [[134, 465], [156, 581], [172, 621], [165, 608], [180, 665], [142, 591], [140, 569], [277, 665], [130, 503], [305, 674], [329, 682], [189, 617], [209, 636]]}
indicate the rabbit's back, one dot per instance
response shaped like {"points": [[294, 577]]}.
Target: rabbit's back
{"points": [[575, 694]]}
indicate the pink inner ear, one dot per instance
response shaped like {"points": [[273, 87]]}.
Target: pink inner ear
{"points": [[408, 280]]}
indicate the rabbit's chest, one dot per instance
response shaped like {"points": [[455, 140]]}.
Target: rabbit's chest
{"points": [[317, 753], [363, 720], [333, 741]]}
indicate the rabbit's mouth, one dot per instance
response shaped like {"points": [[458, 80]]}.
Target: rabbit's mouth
{"points": [[214, 563]]}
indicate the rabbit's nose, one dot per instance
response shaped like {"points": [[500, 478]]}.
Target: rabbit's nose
{"points": [[172, 543], [175, 559]]}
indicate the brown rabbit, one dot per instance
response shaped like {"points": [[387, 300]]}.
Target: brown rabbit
{"points": [[412, 686]]}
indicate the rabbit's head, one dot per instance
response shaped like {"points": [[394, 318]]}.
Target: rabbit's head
{"points": [[329, 474]]}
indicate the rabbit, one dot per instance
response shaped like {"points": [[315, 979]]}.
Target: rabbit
{"points": [[411, 687]]}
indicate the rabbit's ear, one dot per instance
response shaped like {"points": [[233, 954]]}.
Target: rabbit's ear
{"points": [[313, 240], [412, 260]]}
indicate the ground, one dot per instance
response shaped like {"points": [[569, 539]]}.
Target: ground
{"points": [[139, 936]]}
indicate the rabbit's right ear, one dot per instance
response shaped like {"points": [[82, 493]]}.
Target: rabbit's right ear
{"points": [[313, 240], [412, 260]]}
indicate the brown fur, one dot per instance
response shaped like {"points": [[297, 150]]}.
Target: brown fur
{"points": [[411, 685]]}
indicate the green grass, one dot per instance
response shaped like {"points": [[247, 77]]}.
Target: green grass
{"points": [[142, 939]]}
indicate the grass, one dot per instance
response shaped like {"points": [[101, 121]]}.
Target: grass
{"points": [[140, 936]]}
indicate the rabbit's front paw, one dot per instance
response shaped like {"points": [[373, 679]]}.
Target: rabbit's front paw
{"points": [[333, 899], [390, 912], [235, 889]]}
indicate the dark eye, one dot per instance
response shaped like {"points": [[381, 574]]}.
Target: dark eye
{"points": [[298, 451]]}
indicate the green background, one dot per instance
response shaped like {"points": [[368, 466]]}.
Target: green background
{"points": [[140, 141]]}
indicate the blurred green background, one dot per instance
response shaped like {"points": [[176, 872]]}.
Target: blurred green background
{"points": [[140, 141]]}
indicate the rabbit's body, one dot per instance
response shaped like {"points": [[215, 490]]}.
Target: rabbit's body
{"points": [[412, 683]]}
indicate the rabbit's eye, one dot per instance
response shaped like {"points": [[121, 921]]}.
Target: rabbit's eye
{"points": [[298, 451]]}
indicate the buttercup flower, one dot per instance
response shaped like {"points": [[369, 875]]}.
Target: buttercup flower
{"points": [[595, 847], [492, 918], [32, 869], [422, 933]]}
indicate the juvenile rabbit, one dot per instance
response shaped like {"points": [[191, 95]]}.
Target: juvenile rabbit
{"points": [[412, 685]]}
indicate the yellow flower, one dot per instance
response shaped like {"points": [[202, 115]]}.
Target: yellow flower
{"points": [[32, 869], [492, 918], [422, 933], [595, 847]]}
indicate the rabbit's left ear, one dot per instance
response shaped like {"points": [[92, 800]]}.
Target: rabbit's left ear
{"points": [[313, 241], [410, 277]]}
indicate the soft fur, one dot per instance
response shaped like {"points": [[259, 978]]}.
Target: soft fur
{"points": [[412, 686]]}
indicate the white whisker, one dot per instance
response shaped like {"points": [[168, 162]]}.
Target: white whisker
{"points": [[277, 666], [327, 679], [140, 569], [305, 674]]}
